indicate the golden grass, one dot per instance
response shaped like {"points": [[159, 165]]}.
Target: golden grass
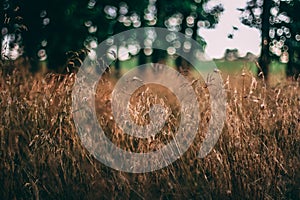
{"points": [[256, 157]]}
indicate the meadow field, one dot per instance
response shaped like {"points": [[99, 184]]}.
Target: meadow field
{"points": [[256, 157]]}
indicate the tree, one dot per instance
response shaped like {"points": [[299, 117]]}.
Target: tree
{"points": [[59, 26], [278, 21], [292, 39], [184, 16]]}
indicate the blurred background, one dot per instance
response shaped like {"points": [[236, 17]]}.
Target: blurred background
{"points": [[51, 33]]}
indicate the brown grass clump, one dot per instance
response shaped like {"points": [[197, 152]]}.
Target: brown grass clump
{"points": [[256, 157]]}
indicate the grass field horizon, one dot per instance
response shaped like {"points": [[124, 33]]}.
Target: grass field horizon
{"points": [[277, 69]]}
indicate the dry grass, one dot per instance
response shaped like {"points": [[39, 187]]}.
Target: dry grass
{"points": [[256, 157]]}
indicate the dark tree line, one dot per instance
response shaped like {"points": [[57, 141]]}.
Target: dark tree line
{"points": [[47, 30], [279, 22]]}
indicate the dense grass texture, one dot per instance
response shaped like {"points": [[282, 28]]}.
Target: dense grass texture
{"points": [[256, 157]]}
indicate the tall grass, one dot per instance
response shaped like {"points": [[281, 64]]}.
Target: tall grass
{"points": [[256, 157]]}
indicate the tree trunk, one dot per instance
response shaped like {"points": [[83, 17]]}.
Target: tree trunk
{"points": [[117, 68], [265, 60], [293, 65]]}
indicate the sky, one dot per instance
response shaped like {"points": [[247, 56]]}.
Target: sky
{"points": [[245, 39]]}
